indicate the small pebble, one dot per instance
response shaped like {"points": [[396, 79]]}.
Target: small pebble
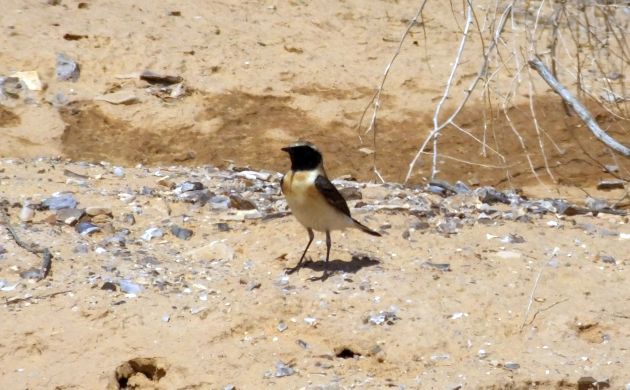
{"points": [[81, 248], [282, 326], [197, 196], [458, 315], [437, 266], [282, 280], [129, 287], [384, 317], [220, 202], [189, 186], [223, 227], [310, 321], [126, 197], [86, 228], [67, 69], [448, 226], [27, 213], [118, 171], [181, 233], [109, 286], [129, 219], [607, 259], [69, 216], [512, 239], [197, 310], [32, 273], [439, 358], [283, 370], [253, 285], [60, 201], [152, 233]]}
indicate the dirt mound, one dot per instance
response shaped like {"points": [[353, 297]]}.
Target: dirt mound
{"points": [[8, 118], [139, 373]]}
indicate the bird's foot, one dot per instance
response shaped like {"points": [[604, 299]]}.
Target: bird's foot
{"points": [[322, 278], [299, 265], [290, 271]]}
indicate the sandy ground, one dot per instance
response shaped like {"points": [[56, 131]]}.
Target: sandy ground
{"points": [[210, 307], [213, 310]]}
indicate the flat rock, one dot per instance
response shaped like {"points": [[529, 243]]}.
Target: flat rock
{"points": [[60, 201], [69, 216], [181, 233], [611, 185], [98, 210], [30, 79], [155, 78]]}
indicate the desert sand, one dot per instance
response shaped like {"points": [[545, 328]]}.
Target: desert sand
{"points": [[460, 292]]}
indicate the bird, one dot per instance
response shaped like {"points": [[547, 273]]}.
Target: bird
{"points": [[313, 199]]}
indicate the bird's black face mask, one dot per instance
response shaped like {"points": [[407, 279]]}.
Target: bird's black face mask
{"points": [[303, 157]]}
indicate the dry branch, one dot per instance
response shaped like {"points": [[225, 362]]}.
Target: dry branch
{"points": [[467, 93], [578, 107], [531, 297], [447, 88]]}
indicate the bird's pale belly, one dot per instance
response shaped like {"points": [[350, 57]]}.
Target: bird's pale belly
{"points": [[317, 215]]}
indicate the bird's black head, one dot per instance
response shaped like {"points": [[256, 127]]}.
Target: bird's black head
{"points": [[304, 156]]}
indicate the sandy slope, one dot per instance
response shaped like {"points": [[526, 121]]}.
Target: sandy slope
{"points": [[259, 75]]}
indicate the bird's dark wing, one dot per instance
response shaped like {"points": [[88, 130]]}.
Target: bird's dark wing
{"points": [[333, 197]]}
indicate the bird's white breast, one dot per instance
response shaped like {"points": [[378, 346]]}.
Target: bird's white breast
{"points": [[309, 206]]}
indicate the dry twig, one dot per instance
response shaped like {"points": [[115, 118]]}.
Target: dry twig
{"points": [[44, 269], [545, 309], [13, 301], [531, 297], [376, 99], [468, 92]]}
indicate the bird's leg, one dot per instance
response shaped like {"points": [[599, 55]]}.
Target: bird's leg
{"points": [[310, 239], [327, 253]]}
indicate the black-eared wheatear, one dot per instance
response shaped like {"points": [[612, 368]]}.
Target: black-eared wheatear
{"points": [[313, 199]]}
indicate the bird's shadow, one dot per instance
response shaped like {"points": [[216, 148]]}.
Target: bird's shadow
{"points": [[353, 266]]}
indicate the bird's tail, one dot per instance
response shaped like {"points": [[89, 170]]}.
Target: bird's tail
{"points": [[366, 229]]}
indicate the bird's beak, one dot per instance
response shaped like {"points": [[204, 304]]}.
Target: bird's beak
{"points": [[286, 149]]}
